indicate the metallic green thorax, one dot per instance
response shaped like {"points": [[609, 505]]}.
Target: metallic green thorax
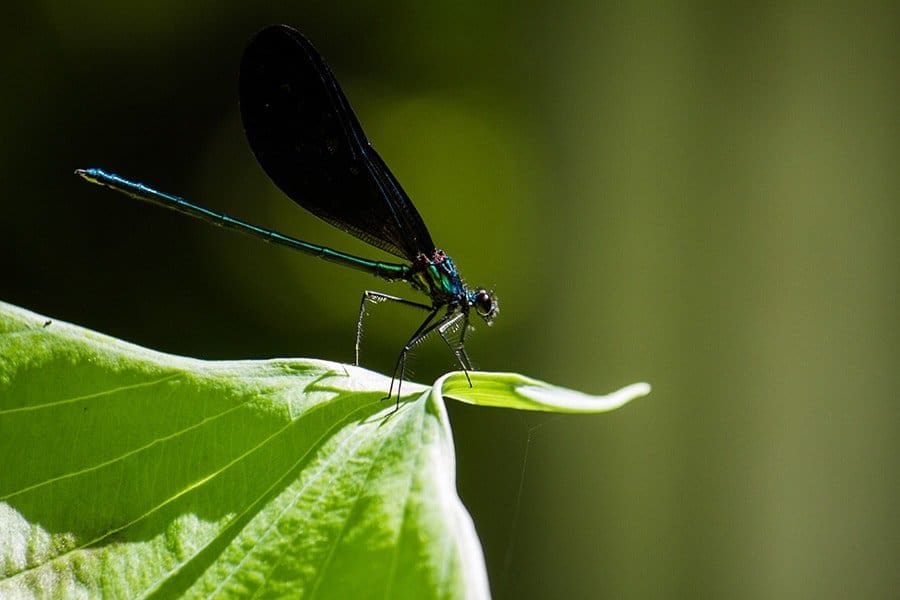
{"points": [[438, 277]]}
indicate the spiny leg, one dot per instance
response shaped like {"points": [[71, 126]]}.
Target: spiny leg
{"points": [[424, 329], [467, 362], [462, 349], [421, 333], [375, 298], [458, 349]]}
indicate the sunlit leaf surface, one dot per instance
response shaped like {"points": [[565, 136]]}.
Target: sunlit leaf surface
{"points": [[131, 473]]}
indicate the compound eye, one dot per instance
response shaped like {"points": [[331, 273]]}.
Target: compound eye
{"points": [[484, 304]]}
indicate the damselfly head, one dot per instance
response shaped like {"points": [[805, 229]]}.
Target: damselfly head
{"points": [[485, 304]]}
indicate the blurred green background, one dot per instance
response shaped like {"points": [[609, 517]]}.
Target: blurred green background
{"points": [[701, 197]]}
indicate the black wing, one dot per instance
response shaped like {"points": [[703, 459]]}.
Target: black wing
{"points": [[307, 139]]}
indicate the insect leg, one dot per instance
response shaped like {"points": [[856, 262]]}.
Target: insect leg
{"points": [[376, 298], [458, 349]]}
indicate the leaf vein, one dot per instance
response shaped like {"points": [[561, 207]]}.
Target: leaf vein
{"points": [[100, 394]]}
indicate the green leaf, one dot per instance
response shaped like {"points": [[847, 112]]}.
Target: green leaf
{"points": [[130, 473]]}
